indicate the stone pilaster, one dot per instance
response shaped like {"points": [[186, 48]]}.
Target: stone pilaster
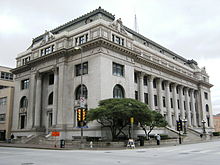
{"points": [[55, 94], [193, 108], [141, 87], [150, 92], [32, 90], [159, 93], [168, 107], [175, 105], [182, 111], [37, 114], [188, 112]]}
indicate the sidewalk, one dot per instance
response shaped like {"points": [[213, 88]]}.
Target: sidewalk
{"points": [[71, 147]]}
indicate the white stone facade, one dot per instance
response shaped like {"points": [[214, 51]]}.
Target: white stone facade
{"points": [[167, 82]]}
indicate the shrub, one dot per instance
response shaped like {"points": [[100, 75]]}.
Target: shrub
{"points": [[216, 133]]}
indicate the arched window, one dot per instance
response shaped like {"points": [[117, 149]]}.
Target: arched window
{"points": [[118, 91], [207, 108], [78, 92], [50, 99], [24, 102]]}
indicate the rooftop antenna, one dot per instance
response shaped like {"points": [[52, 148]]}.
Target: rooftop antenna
{"points": [[135, 24]]}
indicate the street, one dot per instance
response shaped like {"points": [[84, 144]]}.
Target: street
{"points": [[190, 154]]}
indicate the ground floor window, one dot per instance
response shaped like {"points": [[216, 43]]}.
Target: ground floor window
{"points": [[23, 121]]}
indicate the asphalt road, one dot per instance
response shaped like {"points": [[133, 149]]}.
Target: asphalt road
{"points": [[191, 154]]}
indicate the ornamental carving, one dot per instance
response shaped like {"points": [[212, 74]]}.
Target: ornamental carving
{"points": [[118, 26], [48, 36]]}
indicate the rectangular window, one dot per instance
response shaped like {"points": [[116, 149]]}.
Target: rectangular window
{"points": [[146, 98], [155, 100], [51, 79], [135, 77], [117, 69], [25, 84], [80, 71], [190, 106], [81, 39], [3, 101], [163, 86], [117, 40], [177, 90], [154, 83], [184, 105], [145, 80], [178, 103], [170, 86], [206, 95], [164, 101], [136, 95], [25, 60], [171, 102], [6, 76], [47, 50], [2, 117]]}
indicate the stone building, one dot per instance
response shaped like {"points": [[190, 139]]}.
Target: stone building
{"points": [[6, 102], [117, 62]]}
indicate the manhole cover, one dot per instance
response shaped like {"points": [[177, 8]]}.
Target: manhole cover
{"points": [[26, 163], [141, 151], [184, 153], [107, 152]]}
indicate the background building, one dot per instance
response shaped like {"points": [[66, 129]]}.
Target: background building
{"points": [[217, 122], [6, 102], [117, 62]]}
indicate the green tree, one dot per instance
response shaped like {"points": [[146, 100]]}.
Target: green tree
{"points": [[157, 120], [115, 114]]}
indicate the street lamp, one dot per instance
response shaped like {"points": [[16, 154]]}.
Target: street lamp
{"points": [[203, 126], [184, 125], [81, 92]]}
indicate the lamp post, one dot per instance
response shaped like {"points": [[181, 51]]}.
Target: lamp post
{"points": [[81, 91], [184, 125], [203, 126]]}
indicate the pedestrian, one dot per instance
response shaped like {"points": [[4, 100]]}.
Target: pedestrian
{"points": [[158, 139], [12, 137], [91, 144]]}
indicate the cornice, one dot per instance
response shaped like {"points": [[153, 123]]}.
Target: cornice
{"points": [[102, 42]]}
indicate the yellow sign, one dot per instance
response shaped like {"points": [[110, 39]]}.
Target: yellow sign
{"points": [[132, 120]]}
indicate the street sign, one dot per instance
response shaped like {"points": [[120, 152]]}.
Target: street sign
{"points": [[82, 101], [55, 133]]}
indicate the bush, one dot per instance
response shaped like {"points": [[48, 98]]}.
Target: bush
{"points": [[216, 133], [164, 137]]}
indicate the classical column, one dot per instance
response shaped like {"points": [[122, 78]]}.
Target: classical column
{"points": [[188, 112], [37, 114], [159, 93], [150, 92], [141, 87], [201, 104], [169, 115], [31, 101], [55, 90], [193, 108], [182, 111], [175, 105]]}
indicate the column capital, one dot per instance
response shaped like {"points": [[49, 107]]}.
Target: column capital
{"points": [[141, 74], [55, 69], [150, 77], [38, 75]]}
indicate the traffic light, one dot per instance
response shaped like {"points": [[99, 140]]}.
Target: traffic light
{"points": [[84, 114], [179, 125], [79, 115]]}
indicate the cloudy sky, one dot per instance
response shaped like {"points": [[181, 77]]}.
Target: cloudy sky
{"points": [[190, 28]]}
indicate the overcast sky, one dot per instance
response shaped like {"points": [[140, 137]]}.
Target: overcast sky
{"points": [[190, 28]]}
